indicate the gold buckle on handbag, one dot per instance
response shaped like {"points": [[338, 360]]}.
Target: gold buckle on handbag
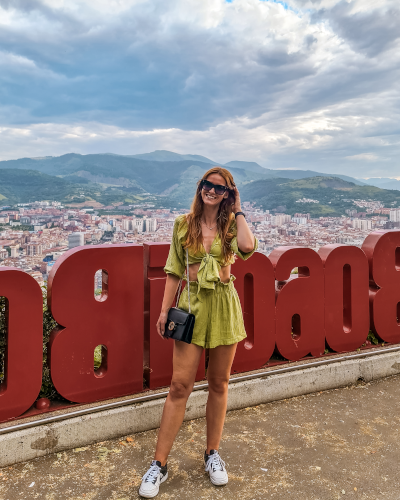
{"points": [[171, 326]]}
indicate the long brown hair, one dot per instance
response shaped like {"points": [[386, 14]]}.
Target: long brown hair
{"points": [[194, 236]]}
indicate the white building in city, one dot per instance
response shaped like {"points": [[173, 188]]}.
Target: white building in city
{"points": [[14, 251], [33, 249], [133, 224], [25, 219], [394, 215], [300, 220], [127, 224], [150, 225], [363, 224], [76, 240], [279, 219]]}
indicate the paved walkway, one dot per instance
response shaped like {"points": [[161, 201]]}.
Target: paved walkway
{"points": [[342, 443]]}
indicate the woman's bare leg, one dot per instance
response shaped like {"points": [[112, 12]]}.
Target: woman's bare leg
{"points": [[218, 372], [185, 362]]}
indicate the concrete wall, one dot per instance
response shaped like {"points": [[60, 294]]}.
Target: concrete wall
{"points": [[20, 445]]}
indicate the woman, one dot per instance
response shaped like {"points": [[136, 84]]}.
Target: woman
{"points": [[213, 231]]}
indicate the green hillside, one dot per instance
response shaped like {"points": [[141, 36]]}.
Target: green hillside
{"points": [[333, 194], [132, 174], [113, 179], [22, 186], [150, 172]]}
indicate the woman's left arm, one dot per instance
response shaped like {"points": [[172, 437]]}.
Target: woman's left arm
{"points": [[245, 238]]}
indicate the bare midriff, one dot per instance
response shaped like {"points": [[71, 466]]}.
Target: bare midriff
{"points": [[224, 273]]}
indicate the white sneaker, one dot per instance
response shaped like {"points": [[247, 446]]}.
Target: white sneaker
{"points": [[152, 479], [215, 466]]}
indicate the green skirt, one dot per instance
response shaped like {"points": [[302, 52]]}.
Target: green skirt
{"points": [[218, 313]]}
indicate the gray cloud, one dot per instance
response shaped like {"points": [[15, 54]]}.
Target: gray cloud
{"points": [[371, 32], [313, 84]]}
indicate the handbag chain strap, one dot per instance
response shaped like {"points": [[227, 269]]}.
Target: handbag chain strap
{"points": [[187, 282]]}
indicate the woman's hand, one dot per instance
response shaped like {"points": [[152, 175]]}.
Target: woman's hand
{"points": [[161, 324], [171, 286], [236, 207]]}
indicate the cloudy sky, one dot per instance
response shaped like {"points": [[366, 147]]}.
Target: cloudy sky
{"points": [[297, 84]]}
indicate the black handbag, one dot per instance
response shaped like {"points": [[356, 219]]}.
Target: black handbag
{"points": [[180, 323]]}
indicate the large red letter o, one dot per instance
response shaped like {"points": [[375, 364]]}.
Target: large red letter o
{"points": [[346, 296]]}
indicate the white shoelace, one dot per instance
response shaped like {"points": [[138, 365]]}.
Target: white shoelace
{"points": [[214, 463], [152, 474]]}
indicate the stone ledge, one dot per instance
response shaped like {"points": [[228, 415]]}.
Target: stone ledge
{"points": [[20, 445]]}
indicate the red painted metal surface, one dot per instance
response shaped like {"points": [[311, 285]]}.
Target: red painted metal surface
{"points": [[299, 302], [115, 322], [158, 352], [346, 297], [24, 343], [54, 406], [383, 253], [256, 289], [281, 312], [42, 404]]}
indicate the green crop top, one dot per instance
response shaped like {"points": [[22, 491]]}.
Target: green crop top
{"points": [[208, 273]]}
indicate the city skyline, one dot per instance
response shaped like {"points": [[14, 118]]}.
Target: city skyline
{"points": [[34, 235]]}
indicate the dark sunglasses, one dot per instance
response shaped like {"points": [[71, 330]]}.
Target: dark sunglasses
{"points": [[218, 188]]}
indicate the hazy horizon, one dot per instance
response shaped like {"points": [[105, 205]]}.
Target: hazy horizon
{"points": [[187, 153]]}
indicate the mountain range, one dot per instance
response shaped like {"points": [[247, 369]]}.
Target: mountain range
{"points": [[169, 179], [382, 182]]}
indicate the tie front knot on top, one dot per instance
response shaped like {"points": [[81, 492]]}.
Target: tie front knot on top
{"points": [[208, 273], [210, 263]]}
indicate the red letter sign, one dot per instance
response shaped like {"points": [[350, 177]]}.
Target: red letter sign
{"points": [[383, 252], [299, 303], [346, 296], [24, 349], [115, 322], [255, 284]]}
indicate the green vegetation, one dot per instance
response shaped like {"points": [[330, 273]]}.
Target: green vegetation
{"points": [[112, 179], [20, 227], [97, 357], [3, 330], [23, 186], [47, 390], [333, 194], [372, 338]]}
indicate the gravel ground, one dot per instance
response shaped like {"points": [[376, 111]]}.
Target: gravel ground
{"points": [[342, 443]]}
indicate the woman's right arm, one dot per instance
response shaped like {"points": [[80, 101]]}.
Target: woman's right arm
{"points": [[171, 286]]}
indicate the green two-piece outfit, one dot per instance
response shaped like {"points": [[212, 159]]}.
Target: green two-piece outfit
{"points": [[216, 305]]}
